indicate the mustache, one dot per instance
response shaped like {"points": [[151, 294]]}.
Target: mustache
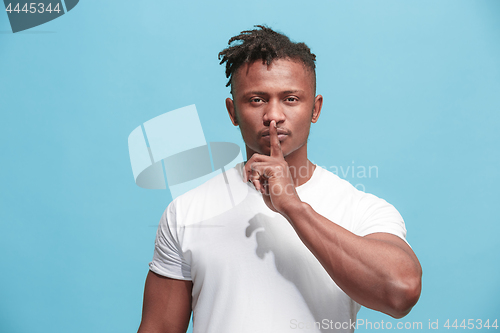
{"points": [[280, 130]]}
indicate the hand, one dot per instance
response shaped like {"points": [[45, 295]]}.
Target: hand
{"points": [[271, 176]]}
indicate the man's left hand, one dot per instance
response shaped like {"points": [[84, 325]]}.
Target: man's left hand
{"points": [[271, 175]]}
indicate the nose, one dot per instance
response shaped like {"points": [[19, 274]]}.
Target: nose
{"points": [[274, 111]]}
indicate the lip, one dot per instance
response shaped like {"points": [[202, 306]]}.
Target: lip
{"points": [[281, 137], [279, 130]]}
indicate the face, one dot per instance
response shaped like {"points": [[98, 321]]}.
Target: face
{"points": [[282, 91]]}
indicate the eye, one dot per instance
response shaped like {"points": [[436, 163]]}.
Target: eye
{"points": [[256, 100], [291, 99]]}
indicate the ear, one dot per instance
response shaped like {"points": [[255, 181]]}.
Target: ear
{"points": [[318, 104], [231, 111]]}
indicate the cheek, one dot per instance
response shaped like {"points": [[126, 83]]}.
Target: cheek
{"points": [[248, 119], [240, 116], [305, 127], [243, 123]]}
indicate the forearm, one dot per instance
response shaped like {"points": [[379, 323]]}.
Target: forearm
{"points": [[377, 273]]}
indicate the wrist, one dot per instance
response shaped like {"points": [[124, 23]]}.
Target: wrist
{"points": [[294, 209]]}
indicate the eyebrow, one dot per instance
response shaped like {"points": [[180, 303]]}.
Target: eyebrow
{"points": [[265, 93], [292, 91], [255, 93]]}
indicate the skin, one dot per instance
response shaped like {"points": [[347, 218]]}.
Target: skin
{"points": [[167, 305], [281, 92], [274, 107], [379, 271]]}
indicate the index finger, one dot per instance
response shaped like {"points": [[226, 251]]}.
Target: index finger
{"points": [[275, 141]]}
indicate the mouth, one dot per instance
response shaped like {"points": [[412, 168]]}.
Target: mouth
{"points": [[281, 137], [282, 134]]}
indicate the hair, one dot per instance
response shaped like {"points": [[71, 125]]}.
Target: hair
{"points": [[264, 44]]}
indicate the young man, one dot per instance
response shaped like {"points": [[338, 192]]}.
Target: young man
{"points": [[304, 249]]}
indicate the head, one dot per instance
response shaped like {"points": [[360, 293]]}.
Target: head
{"points": [[266, 45], [271, 78]]}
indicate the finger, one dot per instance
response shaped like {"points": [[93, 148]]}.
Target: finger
{"points": [[247, 171], [255, 177], [275, 141], [265, 190], [257, 185], [247, 167], [260, 173], [263, 170]]}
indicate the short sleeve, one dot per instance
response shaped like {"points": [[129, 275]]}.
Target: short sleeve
{"points": [[377, 215], [167, 258]]}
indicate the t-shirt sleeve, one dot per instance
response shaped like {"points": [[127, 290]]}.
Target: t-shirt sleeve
{"points": [[377, 215], [168, 259]]}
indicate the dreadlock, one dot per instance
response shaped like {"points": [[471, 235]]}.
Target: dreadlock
{"points": [[263, 44]]}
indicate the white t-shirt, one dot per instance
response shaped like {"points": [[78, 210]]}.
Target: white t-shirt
{"points": [[250, 270]]}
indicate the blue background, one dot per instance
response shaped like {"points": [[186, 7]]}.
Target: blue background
{"points": [[411, 87]]}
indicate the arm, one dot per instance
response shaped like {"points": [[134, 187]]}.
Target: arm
{"points": [[379, 271], [167, 305]]}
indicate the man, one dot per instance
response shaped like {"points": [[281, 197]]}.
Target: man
{"points": [[303, 249]]}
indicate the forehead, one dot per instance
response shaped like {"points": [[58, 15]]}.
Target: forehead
{"points": [[280, 74]]}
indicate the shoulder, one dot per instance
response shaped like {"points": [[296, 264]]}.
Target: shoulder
{"points": [[368, 212], [376, 215], [333, 183]]}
